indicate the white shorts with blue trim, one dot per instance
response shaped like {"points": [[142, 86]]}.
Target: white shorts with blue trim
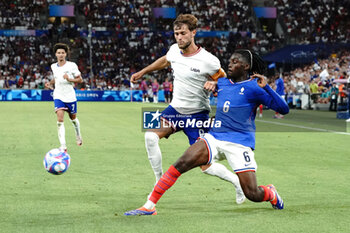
{"points": [[240, 158]]}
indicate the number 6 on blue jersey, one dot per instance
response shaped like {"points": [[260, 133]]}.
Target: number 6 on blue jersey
{"points": [[226, 106]]}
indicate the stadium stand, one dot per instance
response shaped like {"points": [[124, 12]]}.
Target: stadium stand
{"points": [[22, 14], [311, 21], [25, 60]]}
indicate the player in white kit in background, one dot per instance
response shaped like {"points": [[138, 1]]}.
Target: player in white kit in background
{"points": [[195, 74], [65, 74]]}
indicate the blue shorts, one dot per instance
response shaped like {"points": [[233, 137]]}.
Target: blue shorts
{"points": [[166, 93], [190, 122], [144, 92], [69, 107], [155, 93]]}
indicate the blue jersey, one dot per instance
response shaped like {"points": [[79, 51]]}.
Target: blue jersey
{"points": [[280, 86], [236, 109]]}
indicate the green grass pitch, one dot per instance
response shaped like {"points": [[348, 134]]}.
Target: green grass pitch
{"points": [[110, 174]]}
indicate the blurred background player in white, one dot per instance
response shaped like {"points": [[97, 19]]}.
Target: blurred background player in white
{"points": [[195, 74], [65, 74]]}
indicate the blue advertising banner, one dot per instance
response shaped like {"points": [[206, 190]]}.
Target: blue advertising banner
{"points": [[20, 95], [266, 12], [303, 53], [17, 33], [84, 33], [61, 10], [47, 95], [212, 34], [23, 32], [164, 12]]}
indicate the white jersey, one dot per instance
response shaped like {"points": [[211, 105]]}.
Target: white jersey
{"points": [[190, 74], [64, 90]]}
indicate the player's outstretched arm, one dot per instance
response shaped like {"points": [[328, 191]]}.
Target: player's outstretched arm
{"points": [[211, 85], [159, 64], [275, 101]]}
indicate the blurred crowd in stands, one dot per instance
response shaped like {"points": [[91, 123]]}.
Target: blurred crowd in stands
{"points": [[316, 20], [23, 14], [324, 81], [139, 39], [136, 15]]}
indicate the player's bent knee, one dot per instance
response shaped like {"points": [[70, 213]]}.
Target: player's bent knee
{"points": [[151, 138], [205, 168], [185, 163], [188, 161], [73, 116]]}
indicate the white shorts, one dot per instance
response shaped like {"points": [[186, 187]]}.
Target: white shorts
{"points": [[240, 158]]}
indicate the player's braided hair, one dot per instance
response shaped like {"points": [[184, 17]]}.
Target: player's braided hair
{"points": [[256, 63]]}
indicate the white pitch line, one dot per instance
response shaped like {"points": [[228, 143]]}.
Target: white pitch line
{"points": [[304, 127]]}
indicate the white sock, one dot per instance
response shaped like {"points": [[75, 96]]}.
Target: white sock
{"points": [[219, 170], [61, 134], [76, 125], [149, 205], [154, 153], [156, 99]]}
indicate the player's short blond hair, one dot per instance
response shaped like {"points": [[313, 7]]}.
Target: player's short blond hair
{"points": [[188, 19]]}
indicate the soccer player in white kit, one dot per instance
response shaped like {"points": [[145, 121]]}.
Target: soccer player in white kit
{"points": [[65, 74], [195, 75]]}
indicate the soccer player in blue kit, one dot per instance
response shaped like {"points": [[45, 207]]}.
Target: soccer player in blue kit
{"points": [[279, 90], [238, 96]]}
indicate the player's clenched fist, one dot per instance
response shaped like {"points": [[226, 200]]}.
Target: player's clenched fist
{"points": [[48, 85], [136, 77], [262, 81], [210, 85]]}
